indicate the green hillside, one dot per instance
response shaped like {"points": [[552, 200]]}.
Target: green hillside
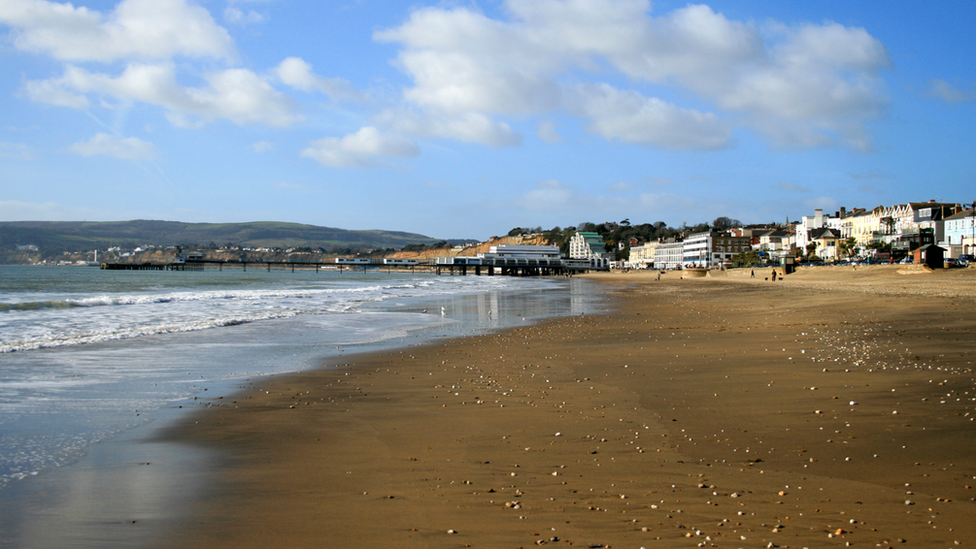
{"points": [[68, 236]]}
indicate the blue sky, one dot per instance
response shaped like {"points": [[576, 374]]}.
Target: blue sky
{"points": [[466, 119]]}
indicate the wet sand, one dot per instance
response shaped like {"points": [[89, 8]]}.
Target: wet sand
{"points": [[832, 408]]}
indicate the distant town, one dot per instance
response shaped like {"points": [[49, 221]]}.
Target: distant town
{"points": [[935, 233]]}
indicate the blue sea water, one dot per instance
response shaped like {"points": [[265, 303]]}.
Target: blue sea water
{"points": [[88, 356]]}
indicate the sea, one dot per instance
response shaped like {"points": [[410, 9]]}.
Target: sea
{"points": [[94, 361]]}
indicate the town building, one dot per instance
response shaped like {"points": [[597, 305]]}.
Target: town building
{"points": [[827, 243], [669, 255], [712, 249], [773, 245], [642, 257], [586, 245], [806, 225], [960, 233]]}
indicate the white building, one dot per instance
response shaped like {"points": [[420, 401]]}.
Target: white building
{"points": [[585, 245], [523, 251], [713, 249], [669, 255], [807, 224]]}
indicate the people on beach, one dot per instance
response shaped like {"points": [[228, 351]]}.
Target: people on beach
{"points": [[774, 275]]}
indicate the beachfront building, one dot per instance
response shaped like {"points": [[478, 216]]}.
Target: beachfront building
{"points": [[669, 255], [960, 233], [901, 224], [642, 257], [862, 225], [712, 249], [586, 245], [523, 251]]}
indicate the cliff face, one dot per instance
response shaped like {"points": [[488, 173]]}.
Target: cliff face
{"points": [[169, 255], [483, 248], [527, 240]]}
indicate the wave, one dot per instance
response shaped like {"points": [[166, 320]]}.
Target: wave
{"points": [[133, 332], [106, 300], [104, 317], [36, 306]]}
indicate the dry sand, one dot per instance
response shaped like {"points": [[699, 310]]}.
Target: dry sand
{"points": [[833, 408]]}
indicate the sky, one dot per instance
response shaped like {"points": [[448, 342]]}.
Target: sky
{"points": [[467, 119]]}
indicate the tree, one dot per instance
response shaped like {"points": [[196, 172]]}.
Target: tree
{"points": [[725, 223], [811, 248], [848, 247], [746, 259]]}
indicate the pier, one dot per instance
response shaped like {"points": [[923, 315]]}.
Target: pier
{"points": [[450, 265]]}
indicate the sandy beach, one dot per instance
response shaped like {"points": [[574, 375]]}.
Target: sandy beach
{"points": [[832, 408]]}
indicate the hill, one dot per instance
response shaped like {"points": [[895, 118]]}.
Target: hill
{"points": [[59, 237]]}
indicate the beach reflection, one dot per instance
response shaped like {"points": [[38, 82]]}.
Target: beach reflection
{"points": [[122, 494]]}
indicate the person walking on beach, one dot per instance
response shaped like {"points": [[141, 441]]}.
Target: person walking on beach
{"points": [[774, 275], [752, 273]]}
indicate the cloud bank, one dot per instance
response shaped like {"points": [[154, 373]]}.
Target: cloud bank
{"points": [[688, 79]]}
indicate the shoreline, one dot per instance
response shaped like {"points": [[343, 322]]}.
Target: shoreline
{"points": [[773, 422], [135, 501]]}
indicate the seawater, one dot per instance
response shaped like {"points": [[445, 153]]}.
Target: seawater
{"points": [[88, 355]]}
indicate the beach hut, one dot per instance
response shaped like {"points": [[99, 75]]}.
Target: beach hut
{"points": [[930, 255]]}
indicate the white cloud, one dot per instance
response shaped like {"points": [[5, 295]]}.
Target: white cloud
{"points": [[53, 92], [17, 151], [135, 29], [951, 93], [298, 74], [547, 132], [632, 118], [359, 149], [472, 127], [238, 95], [235, 16], [263, 146], [463, 61], [806, 86], [127, 148]]}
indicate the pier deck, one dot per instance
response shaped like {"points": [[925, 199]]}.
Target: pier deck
{"points": [[487, 267]]}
